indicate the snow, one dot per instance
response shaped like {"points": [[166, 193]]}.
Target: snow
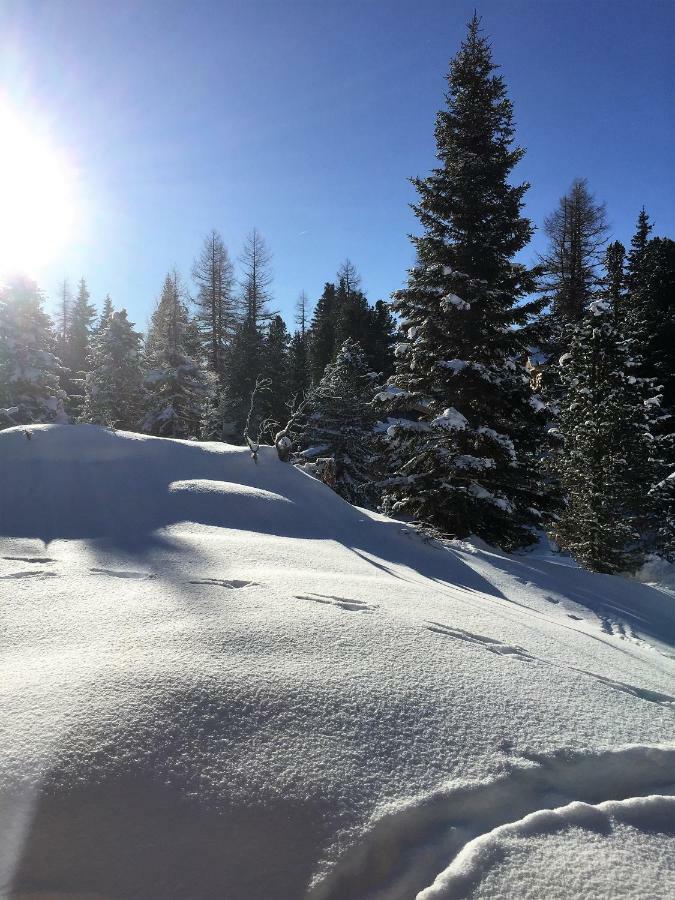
{"points": [[457, 302], [451, 419], [218, 679]]}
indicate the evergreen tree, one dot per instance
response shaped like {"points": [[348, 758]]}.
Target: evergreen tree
{"points": [[114, 393], [650, 325], [466, 432], [299, 376], [175, 386], [29, 369], [216, 305], [322, 335], [106, 311], [276, 369], [82, 316], [604, 461], [380, 339], [256, 262], [339, 424], [63, 311]]}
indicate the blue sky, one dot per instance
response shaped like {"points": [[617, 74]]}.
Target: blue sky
{"points": [[305, 119]]}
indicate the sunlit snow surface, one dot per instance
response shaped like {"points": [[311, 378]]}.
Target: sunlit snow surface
{"points": [[219, 680]]}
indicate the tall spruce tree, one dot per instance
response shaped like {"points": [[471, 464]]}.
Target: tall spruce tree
{"points": [[299, 376], [175, 387], [650, 324], [604, 460], [339, 425], [276, 369], [213, 274], [29, 369], [114, 394], [466, 436], [82, 316], [322, 334]]}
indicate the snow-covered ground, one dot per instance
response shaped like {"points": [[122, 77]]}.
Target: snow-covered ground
{"points": [[219, 680]]}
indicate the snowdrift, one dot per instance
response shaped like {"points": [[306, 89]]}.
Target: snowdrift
{"points": [[219, 680]]}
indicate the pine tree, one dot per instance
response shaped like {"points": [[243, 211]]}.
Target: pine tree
{"points": [[76, 359], [604, 461], [29, 369], [114, 393], [175, 386], [339, 424], [216, 305], [106, 311], [63, 311], [256, 262], [322, 333], [650, 323], [276, 369], [299, 376], [466, 432]]}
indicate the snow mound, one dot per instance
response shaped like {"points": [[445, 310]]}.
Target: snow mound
{"points": [[218, 679]]}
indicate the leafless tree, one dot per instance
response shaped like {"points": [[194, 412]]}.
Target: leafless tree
{"points": [[577, 233], [213, 274]]}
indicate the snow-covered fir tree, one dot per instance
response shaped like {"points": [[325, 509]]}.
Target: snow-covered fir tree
{"points": [[604, 462], [175, 386], [339, 425], [649, 322], [466, 431], [30, 390], [114, 394], [106, 311]]}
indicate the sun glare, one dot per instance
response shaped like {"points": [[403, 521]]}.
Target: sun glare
{"points": [[37, 197]]}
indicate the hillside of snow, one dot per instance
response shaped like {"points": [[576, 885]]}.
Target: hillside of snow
{"points": [[219, 680]]}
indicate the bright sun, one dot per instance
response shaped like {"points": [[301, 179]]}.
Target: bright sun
{"points": [[37, 196]]}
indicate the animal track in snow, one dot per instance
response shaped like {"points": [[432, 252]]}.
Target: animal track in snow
{"points": [[495, 646], [342, 602], [491, 644], [122, 573], [29, 574], [30, 559], [231, 583]]}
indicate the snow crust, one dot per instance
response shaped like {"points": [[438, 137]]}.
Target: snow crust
{"points": [[218, 679]]}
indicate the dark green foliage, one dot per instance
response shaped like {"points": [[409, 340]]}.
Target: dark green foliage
{"points": [[465, 432], [604, 463], [322, 342], [274, 402]]}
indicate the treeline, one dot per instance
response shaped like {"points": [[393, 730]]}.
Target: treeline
{"points": [[499, 399], [193, 373]]}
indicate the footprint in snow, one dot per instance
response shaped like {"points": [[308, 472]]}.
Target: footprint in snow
{"points": [[121, 573], [232, 583], [30, 574], [341, 602], [491, 644], [30, 559]]}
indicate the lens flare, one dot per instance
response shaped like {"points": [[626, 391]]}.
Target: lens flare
{"points": [[37, 196]]}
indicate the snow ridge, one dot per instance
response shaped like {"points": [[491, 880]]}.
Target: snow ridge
{"points": [[448, 831]]}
